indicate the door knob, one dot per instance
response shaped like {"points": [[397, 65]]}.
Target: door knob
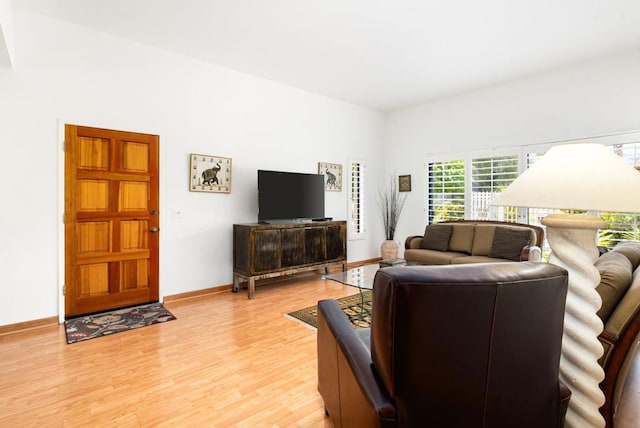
{"points": [[154, 229]]}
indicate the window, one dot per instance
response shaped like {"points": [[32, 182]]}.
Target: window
{"points": [[463, 188], [357, 208], [489, 177], [622, 226], [446, 191], [451, 198]]}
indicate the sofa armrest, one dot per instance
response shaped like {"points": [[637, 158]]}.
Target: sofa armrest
{"points": [[352, 390], [408, 241], [531, 253]]}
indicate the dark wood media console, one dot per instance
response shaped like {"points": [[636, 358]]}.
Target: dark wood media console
{"points": [[270, 250]]}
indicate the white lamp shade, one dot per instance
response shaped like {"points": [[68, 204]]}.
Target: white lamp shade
{"points": [[585, 176]]}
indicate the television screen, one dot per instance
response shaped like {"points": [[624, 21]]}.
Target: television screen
{"points": [[290, 195]]}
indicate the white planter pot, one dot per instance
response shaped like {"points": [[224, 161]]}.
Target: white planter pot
{"points": [[389, 250]]}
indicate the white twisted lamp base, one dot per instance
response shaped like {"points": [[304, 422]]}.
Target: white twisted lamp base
{"points": [[572, 239]]}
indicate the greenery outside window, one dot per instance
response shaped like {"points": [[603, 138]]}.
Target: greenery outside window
{"points": [[622, 226], [446, 184], [463, 188], [489, 177]]}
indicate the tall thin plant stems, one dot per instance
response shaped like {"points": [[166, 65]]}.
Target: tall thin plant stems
{"points": [[391, 204]]}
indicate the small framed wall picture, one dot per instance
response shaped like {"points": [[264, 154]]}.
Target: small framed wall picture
{"points": [[332, 176], [404, 183], [210, 174]]}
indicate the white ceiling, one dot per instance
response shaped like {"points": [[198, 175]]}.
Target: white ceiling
{"points": [[382, 54]]}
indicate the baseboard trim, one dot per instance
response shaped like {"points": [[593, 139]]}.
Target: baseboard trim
{"points": [[27, 325], [197, 293], [227, 287], [47, 322], [363, 262]]}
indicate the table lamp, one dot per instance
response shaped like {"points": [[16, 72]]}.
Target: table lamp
{"points": [[578, 177]]}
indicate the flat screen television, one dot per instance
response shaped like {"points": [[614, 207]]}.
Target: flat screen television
{"points": [[290, 196]]}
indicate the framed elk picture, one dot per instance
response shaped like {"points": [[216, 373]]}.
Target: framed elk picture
{"points": [[210, 174]]}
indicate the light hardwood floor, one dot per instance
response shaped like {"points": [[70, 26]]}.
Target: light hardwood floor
{"points": [[226, 361]]}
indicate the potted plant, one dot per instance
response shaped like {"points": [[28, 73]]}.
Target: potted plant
{"points": [[391, 204]]}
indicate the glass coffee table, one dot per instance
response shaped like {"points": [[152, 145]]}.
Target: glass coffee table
{"points": [[360, 277]]}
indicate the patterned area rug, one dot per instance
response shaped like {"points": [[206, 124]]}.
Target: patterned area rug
{"points": [[357, 308], [89, 327]]}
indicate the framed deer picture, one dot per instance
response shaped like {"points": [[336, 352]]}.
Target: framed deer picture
{"points": [[210, 174]]}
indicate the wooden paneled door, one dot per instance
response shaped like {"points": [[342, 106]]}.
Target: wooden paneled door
{"points": [[111, 219]]}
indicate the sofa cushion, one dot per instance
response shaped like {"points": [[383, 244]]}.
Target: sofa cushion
{"points": [[431, 257], [482, 240], [477, 259], [631, 249], [436, 237], [462, 238], [615, 279], [626, 308], [508, 243]]}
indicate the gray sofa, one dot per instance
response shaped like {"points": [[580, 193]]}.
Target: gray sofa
{"points": [[474, 241], [619, 289]]}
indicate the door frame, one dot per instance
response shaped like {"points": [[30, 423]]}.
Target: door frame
{"points": [[60, 142]]}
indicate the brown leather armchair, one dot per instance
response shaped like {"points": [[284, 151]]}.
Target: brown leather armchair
{"points": [[449, 346]]}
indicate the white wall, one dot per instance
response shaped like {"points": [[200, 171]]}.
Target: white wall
{"points": [[67, 74], [597, 98], [6, 33], [70, 74]]}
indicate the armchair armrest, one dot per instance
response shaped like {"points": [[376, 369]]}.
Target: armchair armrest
{"points": [[531, 253], [349, 386]]}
